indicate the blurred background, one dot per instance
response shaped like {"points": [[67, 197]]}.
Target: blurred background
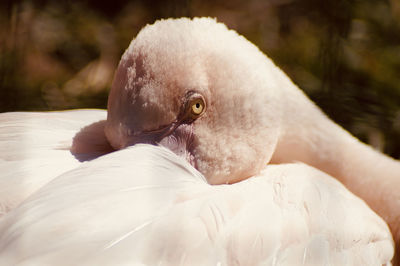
{"points": [[345, 54]]}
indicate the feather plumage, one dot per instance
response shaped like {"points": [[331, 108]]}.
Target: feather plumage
{"points": [[146, 206]]}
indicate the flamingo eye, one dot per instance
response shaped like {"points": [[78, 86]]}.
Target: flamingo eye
{"points": [[197, 107]]}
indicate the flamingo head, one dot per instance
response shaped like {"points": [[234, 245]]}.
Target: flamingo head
{"points": [[202, 91]]}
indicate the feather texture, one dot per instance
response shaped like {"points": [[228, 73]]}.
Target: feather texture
{"points": [[36, 147], [145, 206]]}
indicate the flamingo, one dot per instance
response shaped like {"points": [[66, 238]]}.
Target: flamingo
{"points": [[223, 187]]}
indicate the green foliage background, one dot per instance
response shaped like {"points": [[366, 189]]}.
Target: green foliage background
{"points": [[344, 54]]}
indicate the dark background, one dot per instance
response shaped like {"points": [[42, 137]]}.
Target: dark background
{"points": [[345, 54]]}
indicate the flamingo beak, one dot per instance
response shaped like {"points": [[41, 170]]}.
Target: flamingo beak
{"points": [[177, 137]]}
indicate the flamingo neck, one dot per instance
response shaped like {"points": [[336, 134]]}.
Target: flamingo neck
{"points": [[310, 137]]}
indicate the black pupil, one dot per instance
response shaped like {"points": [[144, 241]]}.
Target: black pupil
{"points": [[197, 105]]}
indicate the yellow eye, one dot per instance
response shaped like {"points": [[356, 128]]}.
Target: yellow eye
{"points": [[197, 107]]}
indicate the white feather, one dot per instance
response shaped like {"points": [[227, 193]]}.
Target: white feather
{"points": [[35, 148], [146, 206]]}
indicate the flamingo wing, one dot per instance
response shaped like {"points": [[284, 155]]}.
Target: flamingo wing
{"points": [[36, 147], [145, 206]]}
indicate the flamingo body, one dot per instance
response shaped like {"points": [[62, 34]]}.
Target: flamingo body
{"points": [[145, 206]]}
